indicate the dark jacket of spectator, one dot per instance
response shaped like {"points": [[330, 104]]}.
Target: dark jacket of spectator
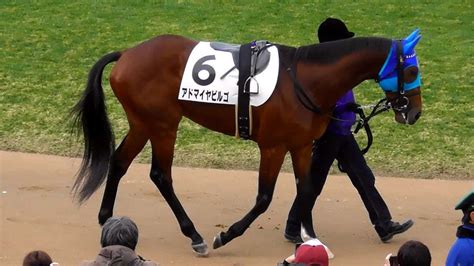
{"points": [[118, 255]]}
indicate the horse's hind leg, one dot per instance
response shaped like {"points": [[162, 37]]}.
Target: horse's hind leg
{"points": [[270, 164], [162, 159], [306, 196], [123, 156]]}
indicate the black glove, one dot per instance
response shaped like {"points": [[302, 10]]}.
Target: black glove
{"points": [[353, 107]]}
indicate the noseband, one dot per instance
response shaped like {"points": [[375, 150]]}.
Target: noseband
{"points": [[400, 102]]}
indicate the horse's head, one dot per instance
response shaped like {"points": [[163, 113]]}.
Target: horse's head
{"points": [[400, 79]]}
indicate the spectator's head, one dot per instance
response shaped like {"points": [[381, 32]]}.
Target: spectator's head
{"points": [[414, 253], [312, 252], [466, 204], [37, 258], [119, 231], [333, 29]]}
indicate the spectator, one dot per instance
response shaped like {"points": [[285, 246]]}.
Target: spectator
{"points": [[412, 253], [38, 258], [311, 252], [462, 251], [339, 143], [119, 239]]}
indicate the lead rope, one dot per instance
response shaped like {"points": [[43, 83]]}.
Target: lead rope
{"points": [[363, 122]]}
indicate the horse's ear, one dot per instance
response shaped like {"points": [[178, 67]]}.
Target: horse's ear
{"points": [[412, 36], [410, 46]]}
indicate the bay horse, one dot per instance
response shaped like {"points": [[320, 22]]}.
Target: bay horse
{"points": [[146, 80]]}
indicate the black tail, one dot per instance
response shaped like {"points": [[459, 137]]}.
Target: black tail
{"points": [[90, 114]]}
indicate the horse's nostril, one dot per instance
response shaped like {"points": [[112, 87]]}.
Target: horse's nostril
{"points": [[417, 115]]}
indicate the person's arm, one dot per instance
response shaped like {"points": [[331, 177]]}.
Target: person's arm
{"points": [[453, 255], [339, 108], [347, 107]]}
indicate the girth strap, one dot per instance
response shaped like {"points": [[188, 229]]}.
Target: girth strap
{"points": [[248, 68], [243, 102]]}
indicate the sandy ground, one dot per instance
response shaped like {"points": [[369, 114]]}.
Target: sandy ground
{"points": [[37, 212]]}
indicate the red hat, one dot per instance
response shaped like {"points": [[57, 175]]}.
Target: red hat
{"points": [[312, 252]]}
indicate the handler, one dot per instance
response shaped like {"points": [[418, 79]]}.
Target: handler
{"points": [[339, 143]]}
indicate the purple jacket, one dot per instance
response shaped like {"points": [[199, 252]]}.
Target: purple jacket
{"points": [[340, 112]]}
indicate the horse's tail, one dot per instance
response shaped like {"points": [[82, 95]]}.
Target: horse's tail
{"points": [[90, 114]]}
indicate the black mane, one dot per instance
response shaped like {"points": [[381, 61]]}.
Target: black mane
{"points": [[329, 52]]}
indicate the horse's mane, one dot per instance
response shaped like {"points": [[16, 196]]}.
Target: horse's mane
{"points": [[329, 52]]}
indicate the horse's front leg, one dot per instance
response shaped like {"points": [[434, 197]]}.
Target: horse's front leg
{"points": [[271, 160]]}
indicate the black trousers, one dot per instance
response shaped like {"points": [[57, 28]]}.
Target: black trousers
{"points": [[347, 152]]}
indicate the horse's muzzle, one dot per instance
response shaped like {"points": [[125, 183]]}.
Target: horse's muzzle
{"points": [[409, 118]]}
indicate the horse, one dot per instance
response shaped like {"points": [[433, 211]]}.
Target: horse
{"points": [[146, 79]]}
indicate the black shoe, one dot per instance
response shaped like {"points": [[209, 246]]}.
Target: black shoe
{"points": [[293, 238], [388, 230]]}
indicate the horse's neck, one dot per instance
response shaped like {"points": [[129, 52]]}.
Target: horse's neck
{"points": [[345, 74]]}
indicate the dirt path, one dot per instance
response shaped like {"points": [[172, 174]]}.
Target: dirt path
{"points": [[37, 212]]}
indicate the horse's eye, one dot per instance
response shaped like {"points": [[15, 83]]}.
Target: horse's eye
{"points": [[410, 73]]}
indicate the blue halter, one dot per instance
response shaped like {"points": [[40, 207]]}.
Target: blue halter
{"points": [[390, 77]]}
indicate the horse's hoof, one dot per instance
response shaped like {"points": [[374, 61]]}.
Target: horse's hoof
{"points": [[200, 249], [217, 241]]}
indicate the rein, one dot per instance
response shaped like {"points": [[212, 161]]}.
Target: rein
{"points": [[302, 96], [364, 121], [299, 90]]}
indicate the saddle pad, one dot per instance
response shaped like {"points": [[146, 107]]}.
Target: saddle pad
{"points": [[205, 80]]}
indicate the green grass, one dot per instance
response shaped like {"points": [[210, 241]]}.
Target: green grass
{"points": [[48, 48]]}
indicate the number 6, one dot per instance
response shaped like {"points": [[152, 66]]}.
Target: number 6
{"points": [[199, 66]]}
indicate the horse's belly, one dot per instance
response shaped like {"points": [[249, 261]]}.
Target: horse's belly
{"points": [[215, 117]]}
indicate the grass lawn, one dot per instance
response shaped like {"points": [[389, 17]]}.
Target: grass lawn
{"points": [[48, 48]]}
